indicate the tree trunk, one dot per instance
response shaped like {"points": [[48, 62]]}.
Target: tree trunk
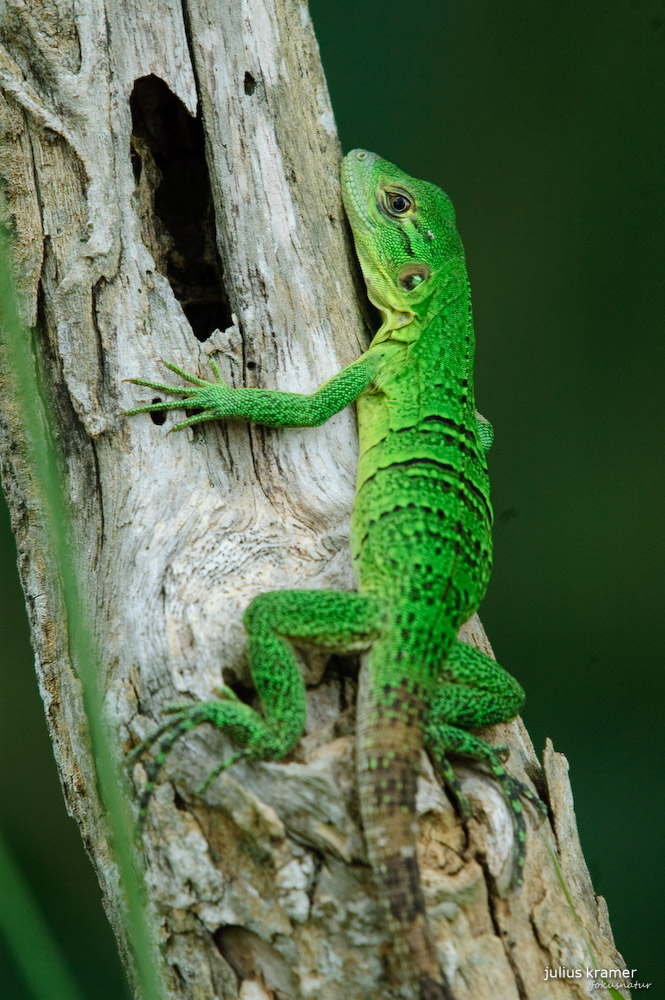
{"points": [[171, 171]]}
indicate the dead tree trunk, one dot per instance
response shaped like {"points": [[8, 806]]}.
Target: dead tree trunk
{"points": [[171, 171]]}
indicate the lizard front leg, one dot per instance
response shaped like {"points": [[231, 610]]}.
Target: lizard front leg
{"points": [[271, 408]]}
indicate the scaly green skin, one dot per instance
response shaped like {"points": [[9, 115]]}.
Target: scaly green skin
{"points": [[421, 545]]}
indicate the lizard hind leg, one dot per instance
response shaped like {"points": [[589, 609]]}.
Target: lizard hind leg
{"points": [[334, 620], [239, 720], [474, 691]]}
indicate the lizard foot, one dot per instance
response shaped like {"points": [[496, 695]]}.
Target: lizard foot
{"points": [[258, 740], [212, 397], [453, 785], [443, 739]]}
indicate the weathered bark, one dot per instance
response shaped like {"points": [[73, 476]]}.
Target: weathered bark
{"points": [[260, 887]]}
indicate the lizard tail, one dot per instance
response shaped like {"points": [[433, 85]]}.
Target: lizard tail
{"points": [[388, 756]]}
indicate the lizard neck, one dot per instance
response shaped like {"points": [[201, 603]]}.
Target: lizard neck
{"points": [[445, 344], [406, 324]]}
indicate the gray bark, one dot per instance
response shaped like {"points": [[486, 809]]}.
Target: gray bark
{"points": [[259, 888]]}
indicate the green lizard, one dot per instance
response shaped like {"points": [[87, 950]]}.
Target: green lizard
{"points": [[421, 547]]}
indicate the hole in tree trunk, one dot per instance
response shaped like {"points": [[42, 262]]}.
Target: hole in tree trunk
{"points": [[175, 203]]}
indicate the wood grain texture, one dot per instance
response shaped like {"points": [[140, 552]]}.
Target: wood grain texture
{"points": [[260, 888]]}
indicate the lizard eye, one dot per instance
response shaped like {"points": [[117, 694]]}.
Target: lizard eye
{"points": [[398, 203], [413, 275]]}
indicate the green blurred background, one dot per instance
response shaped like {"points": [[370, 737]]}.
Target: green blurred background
{"points": [[546, 125]]}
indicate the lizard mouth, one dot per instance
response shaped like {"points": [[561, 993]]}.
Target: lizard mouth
{"points": [[356, 177], [358, 195]]}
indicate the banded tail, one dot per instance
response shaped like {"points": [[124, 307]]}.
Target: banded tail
{"points": [[388, 758]]}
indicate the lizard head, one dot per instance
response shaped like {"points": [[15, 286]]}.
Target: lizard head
{"points": [[405, 237]]}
